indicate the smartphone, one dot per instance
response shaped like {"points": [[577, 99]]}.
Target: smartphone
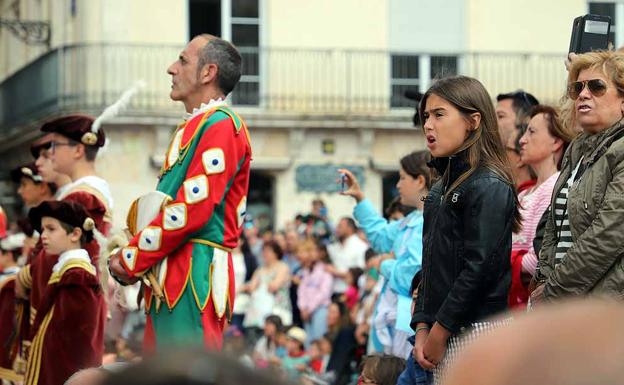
{"points": [[590, 33], [343, 181]]}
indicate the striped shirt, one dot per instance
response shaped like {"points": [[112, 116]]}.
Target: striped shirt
{"points": [[561, 218]]}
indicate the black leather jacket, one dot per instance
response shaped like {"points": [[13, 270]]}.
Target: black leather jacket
{"points": [[466, 248]]}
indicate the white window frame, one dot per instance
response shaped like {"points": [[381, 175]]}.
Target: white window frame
{"points": [[448, 55], [424, 72], [226, 33], [413, 82]]}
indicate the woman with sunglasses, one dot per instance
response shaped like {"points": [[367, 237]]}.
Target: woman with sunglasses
{"points": [[582, 248]]}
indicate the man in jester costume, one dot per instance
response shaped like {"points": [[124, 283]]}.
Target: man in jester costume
{"points": [[183, 255]]}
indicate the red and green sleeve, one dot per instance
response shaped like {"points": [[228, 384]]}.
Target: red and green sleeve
{"points": [[213, 166]]}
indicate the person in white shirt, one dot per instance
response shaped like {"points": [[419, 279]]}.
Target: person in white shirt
{"points": [[348, 252]]}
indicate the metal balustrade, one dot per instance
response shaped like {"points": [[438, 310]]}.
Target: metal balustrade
{"points": [[302, 82]]}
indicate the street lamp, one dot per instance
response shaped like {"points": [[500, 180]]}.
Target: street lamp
{"points": [[30, 32]]}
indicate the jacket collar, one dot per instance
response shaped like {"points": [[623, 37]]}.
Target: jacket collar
{"points": [[456, 165], [591, 147]]}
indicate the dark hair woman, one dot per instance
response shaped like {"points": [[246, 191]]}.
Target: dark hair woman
{"points": [[341, 332], [469, 216]]}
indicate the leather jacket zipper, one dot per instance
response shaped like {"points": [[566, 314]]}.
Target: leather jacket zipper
{"points": [[426, 267]]}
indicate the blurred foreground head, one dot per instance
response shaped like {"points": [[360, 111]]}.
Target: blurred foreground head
{"points": [[570, 343], [191, 367]]}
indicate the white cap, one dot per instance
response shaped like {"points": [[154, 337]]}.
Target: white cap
{"points": [[298, 334]]}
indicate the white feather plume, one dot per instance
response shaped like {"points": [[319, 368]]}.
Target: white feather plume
{"points": [[115, 108]]}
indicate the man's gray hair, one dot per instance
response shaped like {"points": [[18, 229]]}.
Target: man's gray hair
{"points": [[226, 57]]}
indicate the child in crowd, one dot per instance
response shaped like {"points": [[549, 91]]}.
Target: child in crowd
{"points": [[352, 294], [316, 372], [10, 313], [314, 291], [69, 325], [368, 299], [267, 345], [325, 344], [381, 370], [414, 374], [282, 344], [316, 357], [296, 360]]}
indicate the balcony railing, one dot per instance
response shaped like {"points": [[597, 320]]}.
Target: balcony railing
{"points": [[291, 81]]}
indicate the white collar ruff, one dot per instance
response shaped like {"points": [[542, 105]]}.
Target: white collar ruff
{"points": [[204, 107]]}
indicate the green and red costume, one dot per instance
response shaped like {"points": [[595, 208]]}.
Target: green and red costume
{"points": [[206, 174]]}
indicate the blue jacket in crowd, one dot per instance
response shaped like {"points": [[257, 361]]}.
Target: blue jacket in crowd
{"points": [[402, 237]]}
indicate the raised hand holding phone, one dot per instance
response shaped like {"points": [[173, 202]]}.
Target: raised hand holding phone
{"points": [[350, 185]]}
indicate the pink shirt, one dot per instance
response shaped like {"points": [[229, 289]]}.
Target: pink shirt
{"points": [[534, 203], [352, 297], [315, 289]]}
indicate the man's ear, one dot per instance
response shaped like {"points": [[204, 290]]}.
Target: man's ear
{"points": [[208, 73]]}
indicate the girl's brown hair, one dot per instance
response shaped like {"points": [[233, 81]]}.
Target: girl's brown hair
{"points": [[415, 164], [483, 147]]}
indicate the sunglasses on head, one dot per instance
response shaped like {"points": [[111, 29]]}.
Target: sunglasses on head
{"points": [[596, 86], [527, 100]]}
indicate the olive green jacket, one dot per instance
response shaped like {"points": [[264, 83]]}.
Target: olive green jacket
{"points": [[595, 206]]}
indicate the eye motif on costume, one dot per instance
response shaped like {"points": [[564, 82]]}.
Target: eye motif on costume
{"points": [[129, 256], [150, 238], [214, 161], [196, 189], [241, 211], [174, 217]]}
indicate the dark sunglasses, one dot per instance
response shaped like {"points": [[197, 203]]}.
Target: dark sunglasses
{"points": [[596, 86], [527, 100]]}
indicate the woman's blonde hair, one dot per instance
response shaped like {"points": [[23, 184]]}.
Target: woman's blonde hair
{"points": [[307, 244], [483, 147], [610, 63]]}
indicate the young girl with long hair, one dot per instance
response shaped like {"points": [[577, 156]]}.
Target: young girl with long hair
{"points": [[469, 216]]}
